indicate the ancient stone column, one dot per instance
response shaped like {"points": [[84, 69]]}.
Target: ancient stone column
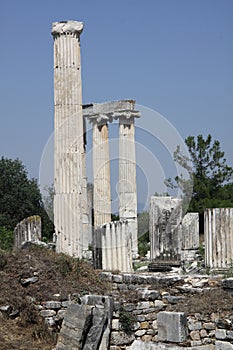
{"points": [[218, 238], [127, 187], [101, 170], [68, 135], [90, 212]]}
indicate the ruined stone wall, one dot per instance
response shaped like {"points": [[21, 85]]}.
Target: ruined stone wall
{"points": [[145, 313], [165, 228], [112, 247], [152, 299], [28, 230]]}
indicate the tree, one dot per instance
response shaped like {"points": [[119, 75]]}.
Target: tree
{"points": [[48, 201], [20, 196], [210, 176]]}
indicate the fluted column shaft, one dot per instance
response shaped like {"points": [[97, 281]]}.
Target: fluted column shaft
{"points": [[101, 171], [68, 134], [127, 174]]}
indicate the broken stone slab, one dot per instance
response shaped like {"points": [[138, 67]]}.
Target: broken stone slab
{"points": [[121, 338], [94, 336], [51, 304], [146, 294], [77, 321], [173, 299], [47, 313], [5, 308], [87, 325], [172, 326], [26, 281], [142, 345], [14, 314], [223, 345], [227, 283]]}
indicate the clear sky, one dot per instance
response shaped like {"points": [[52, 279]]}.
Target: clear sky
{"points": [[173, 56]]}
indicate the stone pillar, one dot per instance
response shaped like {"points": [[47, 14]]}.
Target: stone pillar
{"points": [[101, 171], [190, 238], [218, 237], [127, 187], [85, 217], [90, 212], [165, 230], [190, 231], [68, 138]]}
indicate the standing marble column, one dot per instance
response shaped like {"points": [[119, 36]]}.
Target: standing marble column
{"points": [[127, 174], [68, 135], [101, 170]]}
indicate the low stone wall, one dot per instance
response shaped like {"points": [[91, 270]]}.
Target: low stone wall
{"points": [[152, 321], [143, 314]]}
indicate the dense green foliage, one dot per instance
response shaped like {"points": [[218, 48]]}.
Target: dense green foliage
{"points": [[20, 197], [143, 233], [210, 176], [6, 238]]}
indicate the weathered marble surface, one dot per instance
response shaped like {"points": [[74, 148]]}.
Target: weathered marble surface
{"points": [[70, 201]]}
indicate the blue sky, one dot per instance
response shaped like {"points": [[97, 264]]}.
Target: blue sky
{"points": [[173, 56]]}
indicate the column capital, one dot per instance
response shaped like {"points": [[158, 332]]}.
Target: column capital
{"points": [[67, 28], [100, 119], [126, 115]]}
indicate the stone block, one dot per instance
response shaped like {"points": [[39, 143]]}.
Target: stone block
{"points": [[49, 321], [230, 335], [151, 316], [147, 338], [143, 305], [209, 326], [158, 304], [172, 326], [144, 325], [115, 324], [195, 335], [140, 333], [121, 338], [47, 313], [203, 333], [227, 283], [223, 345], [194, 326], [53, 305], [220, 334], [117, 278], [145, 294], [141, 318]]}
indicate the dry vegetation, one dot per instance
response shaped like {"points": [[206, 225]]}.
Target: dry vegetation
{"points": [[57, 275]]}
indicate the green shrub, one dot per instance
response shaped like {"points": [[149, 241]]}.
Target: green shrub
{"points": [[143, 244], [6, 238], [127, 320]]}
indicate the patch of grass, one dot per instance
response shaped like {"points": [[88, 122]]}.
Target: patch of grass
{"points": [[143, 244], [127, 320]]}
